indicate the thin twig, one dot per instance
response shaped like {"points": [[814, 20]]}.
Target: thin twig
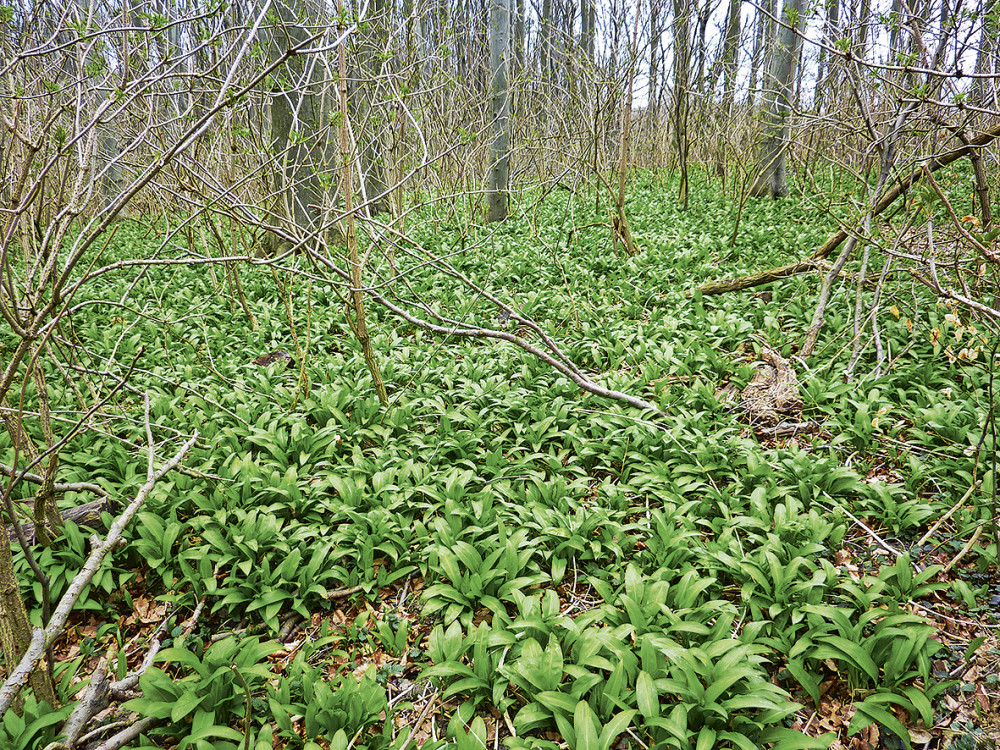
{"points": [[41, 639]]}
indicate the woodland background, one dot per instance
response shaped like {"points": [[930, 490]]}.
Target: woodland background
{"points": [[550, 374]]}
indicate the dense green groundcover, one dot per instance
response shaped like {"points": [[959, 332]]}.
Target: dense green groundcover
{"points": [[558, 565]]}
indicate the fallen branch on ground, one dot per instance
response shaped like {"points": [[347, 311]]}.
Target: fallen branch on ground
{"points": [[43, 638], [795, 268]]}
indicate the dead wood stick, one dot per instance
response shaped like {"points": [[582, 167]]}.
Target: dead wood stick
{"points": [[420, 720], [88, 514], [341, 593], [58, 486], [127, 735], [930, 532], [795, 268], [93, 701], [43, 638]]}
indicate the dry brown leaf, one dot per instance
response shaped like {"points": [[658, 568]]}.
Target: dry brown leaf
{"points": [[919, 736], [149, 610]]}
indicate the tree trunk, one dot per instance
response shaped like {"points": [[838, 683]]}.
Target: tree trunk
{"points": [[15, 629], [772, 179], [826, 80], [588, 11], [368, 92], [655, 32], [864, 18], [682, 36], [301, 138], [984, 90], [730, 52], [519, 38], [358, 323], [763, 40], [500, 149], [544, 38]]}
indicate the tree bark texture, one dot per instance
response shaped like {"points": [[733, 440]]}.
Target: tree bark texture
{"points": [[301, 137], [772, 178], [500, 147]]}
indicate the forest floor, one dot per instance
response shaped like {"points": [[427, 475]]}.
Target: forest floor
{"points": [[500, 558]]}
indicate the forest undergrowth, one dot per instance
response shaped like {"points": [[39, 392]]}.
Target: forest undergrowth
{"points": [[500, 559]]}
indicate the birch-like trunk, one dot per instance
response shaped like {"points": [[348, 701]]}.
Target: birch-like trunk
{"points": [[500, 148], [302, 140], [772, 178]]}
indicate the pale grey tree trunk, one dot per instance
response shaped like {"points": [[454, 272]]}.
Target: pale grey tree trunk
{"points": [[544, 38], [772, 179], [682, 65], [984, 90], [655, 55], [896, 13], [730, 52], [827, 78], [500, 169], [365, 96], [519, 34], [864, 21], [588, 15], [704, 14], [301, 114], [763, 42]]}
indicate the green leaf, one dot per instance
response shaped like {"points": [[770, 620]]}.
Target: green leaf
{"points": [[215, 731], [706, 739], [788, 739], [531, 716], [185, 705], [869, 713], [921, 704], [618, 724], [809, 682], [646, 696], [585, 724], [852, 653], [556, 701], [974, 645], [179, 656]]}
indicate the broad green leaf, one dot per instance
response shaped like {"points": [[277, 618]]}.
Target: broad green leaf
{"points": [[185, 705], [585, 724], [555, 701], [852, 653], [706, 739], [646, 696], [869, 713], [789, 739], [618, 724]]}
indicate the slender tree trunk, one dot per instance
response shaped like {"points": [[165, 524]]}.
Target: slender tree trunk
{"points": [[371, 146], [358, 322], [897, 23], [682, 60], [544, 38], [864, 20], [588, 11], [827, 66], [655, 32], [772, 178], [500, 150], [15, 629], [519, 38], [730, 52], [763, 41], [298, 107], [984, 90], [704, 15]]}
